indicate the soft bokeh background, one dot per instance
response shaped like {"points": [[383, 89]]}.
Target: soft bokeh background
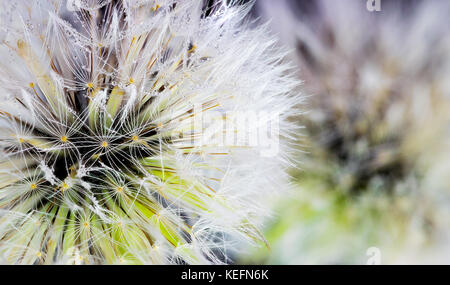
{"points": [[373, 163]]}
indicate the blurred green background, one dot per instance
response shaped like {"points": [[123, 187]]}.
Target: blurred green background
{"points": [[372, 168]]}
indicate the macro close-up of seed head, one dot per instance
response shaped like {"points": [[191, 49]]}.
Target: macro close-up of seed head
{"points": [[240, 133], [121, 131]]}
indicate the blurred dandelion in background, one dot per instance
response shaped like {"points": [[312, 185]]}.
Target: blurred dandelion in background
{"points": [[101, 158], [375, 169]]}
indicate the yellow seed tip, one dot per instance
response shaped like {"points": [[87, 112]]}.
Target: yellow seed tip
{"points": [[20, 44], [64, 186], [193, 48]]}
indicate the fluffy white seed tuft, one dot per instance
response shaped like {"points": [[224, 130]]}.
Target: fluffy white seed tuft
{"points": [[122, 139]]}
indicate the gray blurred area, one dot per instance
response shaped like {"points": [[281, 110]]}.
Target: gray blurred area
{"points": [[371, 182]]}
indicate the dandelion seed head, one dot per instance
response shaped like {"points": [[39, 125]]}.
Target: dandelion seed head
{"points": [[99, 139]]}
